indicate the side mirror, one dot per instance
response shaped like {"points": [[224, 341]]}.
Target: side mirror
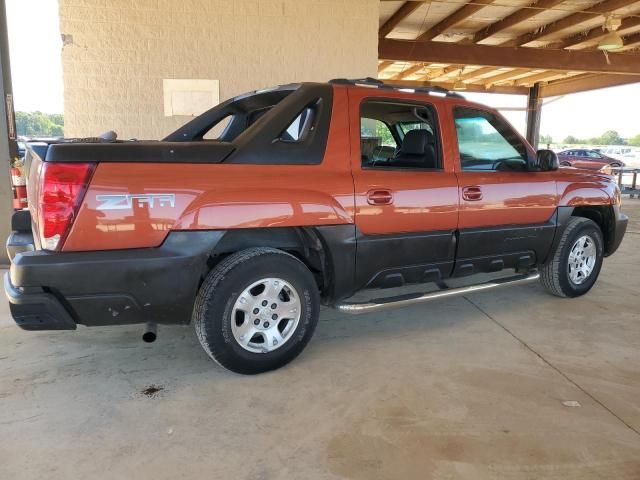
{"points": [[546, 161]]}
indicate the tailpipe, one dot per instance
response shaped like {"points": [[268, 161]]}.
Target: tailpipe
{"points": [[150, 332]]}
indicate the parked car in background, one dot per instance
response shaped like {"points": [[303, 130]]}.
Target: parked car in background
{"points": [[586, 158]]}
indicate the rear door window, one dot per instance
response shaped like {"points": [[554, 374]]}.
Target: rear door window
{"points": [[398, 135]]}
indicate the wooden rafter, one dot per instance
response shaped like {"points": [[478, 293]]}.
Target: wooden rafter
{"points": [[515, 18], [505, 76], [477, 73], [583, 83], [382, 66], [538, 77], [456, 17], [513, 57], [570, 21], [442, 72], [403, 12], [631, 39], [596, 33], [408, 72]]}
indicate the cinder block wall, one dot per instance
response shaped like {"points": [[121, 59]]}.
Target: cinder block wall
{"points": [[117, 52]]}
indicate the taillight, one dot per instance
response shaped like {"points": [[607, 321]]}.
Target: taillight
{"points": [[62, 187]]}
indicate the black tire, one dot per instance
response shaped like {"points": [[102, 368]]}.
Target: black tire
{"points": [[222, 287], [565, 164], [554, 275]]}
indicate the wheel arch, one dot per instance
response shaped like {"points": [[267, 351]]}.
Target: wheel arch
{"points": [[328, 252], [604, 217]]}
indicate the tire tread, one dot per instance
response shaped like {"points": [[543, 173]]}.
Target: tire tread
{"points": [[208, 289], [550, 272]]}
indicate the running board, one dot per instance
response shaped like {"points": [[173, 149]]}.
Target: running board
{"points": [[378, 305]]}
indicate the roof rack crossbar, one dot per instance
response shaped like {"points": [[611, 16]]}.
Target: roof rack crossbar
{"points": [[373, 82]]}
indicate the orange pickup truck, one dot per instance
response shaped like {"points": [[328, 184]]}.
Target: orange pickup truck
{"points": [[248, 218]]}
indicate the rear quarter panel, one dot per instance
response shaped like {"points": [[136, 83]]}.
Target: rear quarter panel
{"points": [[218, 196]]}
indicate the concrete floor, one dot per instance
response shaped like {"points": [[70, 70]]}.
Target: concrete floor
{"points": [[465, 388]]}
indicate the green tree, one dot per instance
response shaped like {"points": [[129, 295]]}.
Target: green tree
{"points": [[546, 139], [39, 124], [571, 140], [610, 137], [635, 141]]}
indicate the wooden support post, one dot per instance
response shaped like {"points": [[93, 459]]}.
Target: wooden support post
{"points": [[534, 107], [8, 144]]}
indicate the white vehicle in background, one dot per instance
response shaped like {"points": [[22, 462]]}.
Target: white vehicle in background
{"points": [[629, 155]]}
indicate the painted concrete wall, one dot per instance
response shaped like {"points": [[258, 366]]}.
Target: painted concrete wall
{"points": [[118, 52]]}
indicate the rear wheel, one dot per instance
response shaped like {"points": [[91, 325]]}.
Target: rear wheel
{"points": [[565, 164], [256, 310], [575, 265]]}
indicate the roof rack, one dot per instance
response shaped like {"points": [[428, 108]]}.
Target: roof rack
{"points": [[374, 82]]}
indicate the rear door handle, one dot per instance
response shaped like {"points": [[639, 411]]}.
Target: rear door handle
{"points": [[380, 196], [472, 193]]}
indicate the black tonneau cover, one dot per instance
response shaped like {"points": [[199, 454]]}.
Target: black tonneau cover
{"points": [[202, 151]]}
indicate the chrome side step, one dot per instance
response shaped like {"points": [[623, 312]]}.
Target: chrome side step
{"points": [[378, 305]]}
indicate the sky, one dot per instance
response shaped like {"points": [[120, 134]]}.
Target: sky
{"points": [[35, 51]]}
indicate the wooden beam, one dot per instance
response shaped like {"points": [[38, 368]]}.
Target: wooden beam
{"points": [[403, 12], [631, 39], [382, 66], [586, 82], [596, 33], [514, 57], [570, 21], [505, 76], [534, 108], [515, 18], [538, 77], [408, 72], [471, 87], [456, 17], [477, 73], [442, 72]]}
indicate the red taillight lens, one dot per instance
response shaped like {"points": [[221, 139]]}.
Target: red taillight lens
{"points": [[62, 187]]}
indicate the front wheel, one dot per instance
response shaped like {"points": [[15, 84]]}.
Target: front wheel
{"points": [[575, 265], [256, 310]]}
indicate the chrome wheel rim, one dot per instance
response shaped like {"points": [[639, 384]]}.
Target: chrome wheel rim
{"points": [[582, 259], [265, 315]]}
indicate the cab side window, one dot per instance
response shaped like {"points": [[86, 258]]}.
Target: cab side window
{"points": [[487, 143], [398, 136]]}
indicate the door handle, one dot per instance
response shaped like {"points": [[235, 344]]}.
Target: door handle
{"points": [[379, 197], [472, 194]]}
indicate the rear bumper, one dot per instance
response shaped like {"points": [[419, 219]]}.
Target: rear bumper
{"points": [[36, 309], [56, 291]]}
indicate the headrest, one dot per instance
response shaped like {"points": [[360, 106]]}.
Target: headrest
{"points": [[415, 142]]}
